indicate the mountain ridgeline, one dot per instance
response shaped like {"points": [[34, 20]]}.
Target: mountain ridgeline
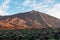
{"points": [[32, 19]]}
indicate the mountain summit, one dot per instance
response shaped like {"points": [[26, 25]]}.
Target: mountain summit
{"points": [[32, 19]]}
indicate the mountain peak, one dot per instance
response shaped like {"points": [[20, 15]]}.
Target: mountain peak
{"points": [[32, 19], [33, 11]]}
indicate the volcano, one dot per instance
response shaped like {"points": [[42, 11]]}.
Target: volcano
{"points": [[31, 19]]}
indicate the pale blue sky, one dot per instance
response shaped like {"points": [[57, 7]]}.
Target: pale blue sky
{"points": [[9, 7]]}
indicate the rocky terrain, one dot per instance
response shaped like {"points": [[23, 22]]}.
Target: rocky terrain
{"points": [[32, 19]]}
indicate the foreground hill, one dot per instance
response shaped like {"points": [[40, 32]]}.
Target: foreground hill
{"points": [[32, 19]]}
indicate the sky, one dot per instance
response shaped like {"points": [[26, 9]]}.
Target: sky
{"points": [[10, 7]]}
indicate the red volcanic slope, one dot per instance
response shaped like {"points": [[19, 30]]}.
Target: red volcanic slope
{"points": [[32, 19]]}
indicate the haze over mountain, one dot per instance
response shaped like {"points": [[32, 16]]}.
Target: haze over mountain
{"points": [[32, 19]]}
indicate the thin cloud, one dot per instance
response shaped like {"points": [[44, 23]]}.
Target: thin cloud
{"points": [[4, 7], [26, 2], [55, 11], [49, 1], [37, 6], [3, 13]]}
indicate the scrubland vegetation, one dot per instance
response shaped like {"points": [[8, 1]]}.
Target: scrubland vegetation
{"points": [[30, 34]]}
